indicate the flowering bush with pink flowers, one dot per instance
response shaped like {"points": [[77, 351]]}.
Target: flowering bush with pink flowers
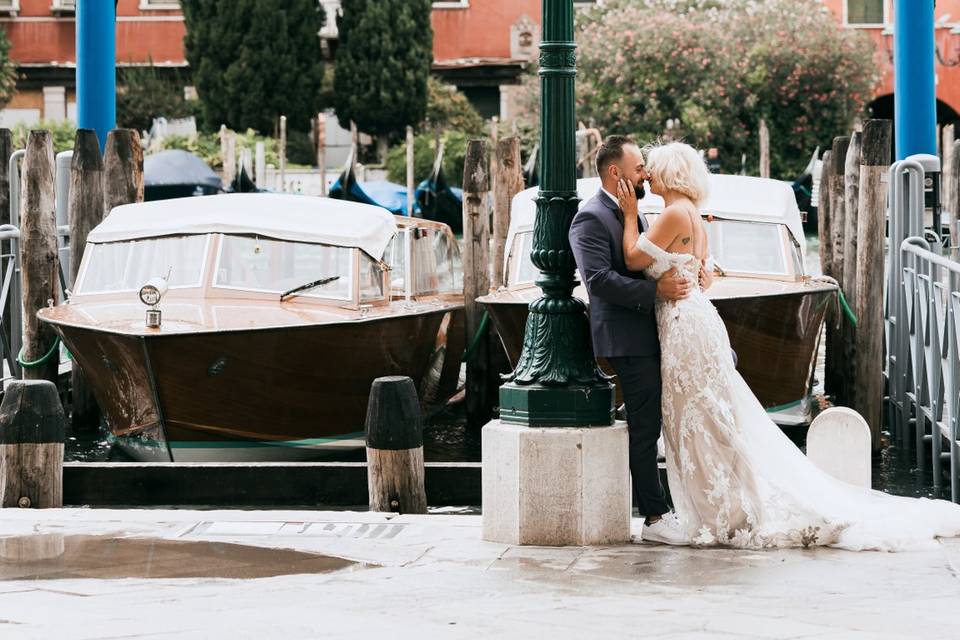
{"points": [[715, 68]]}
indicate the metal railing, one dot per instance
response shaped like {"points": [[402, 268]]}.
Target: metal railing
{"points": [[922, 313]]}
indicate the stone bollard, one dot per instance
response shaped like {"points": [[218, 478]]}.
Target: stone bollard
{"points": [[838, 442], [395, 447], [32, 426]]}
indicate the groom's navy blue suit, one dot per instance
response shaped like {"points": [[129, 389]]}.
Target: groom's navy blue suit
{"points": [[624, 331]]}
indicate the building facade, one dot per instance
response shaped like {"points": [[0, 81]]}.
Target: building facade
{"points": [[42, 34], [875, 17]]}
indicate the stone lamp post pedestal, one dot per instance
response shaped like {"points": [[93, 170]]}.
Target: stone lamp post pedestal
{"points": [[555, 486]]}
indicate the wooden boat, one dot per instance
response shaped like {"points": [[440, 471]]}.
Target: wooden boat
{"points": [[243, 365], [772, 308]]}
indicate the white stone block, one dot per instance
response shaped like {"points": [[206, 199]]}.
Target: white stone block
{"points": [[838, 442], [556, 486]]}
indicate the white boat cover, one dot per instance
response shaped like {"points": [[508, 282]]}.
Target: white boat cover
{"points": [[271, 215], [731, 196]]}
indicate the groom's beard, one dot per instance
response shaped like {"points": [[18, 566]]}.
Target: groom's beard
{"points": [[640, 191]]}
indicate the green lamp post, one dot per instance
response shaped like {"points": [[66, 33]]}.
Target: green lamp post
{"points": [[557, 382]]}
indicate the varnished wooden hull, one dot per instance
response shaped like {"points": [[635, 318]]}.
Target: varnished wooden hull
{"points": [[775, 338], [261, 394]]}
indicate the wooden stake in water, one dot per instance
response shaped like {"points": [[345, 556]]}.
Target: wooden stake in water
{"points": [[86, 212], [228, 156], [764, 150], [476, 278], [322, 151], [38, 257], [123, 169], [410, 159], [870, 258], [833, 368], [508, 182], [851, 194], [283, 154]]}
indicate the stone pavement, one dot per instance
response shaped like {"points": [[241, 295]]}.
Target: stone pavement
{"points": [[433, 577]]}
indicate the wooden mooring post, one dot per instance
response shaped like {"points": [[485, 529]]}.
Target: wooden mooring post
{"points": [[833, 380], [39, 261], [764, 150], [123, 169], [508, 182], [228, 156], [868, 366], [848, 284], [953, 178], [948, 188], [86, 212], [395, 470], [476, 279], [32, 426]]}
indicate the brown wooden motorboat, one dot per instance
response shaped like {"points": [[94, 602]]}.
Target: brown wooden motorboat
{"points": [[234, 371], [773, 309]]}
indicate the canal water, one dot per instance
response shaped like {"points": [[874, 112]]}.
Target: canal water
{"points": [[448, 439]]}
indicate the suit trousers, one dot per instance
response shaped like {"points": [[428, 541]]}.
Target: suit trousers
{"points": [[639, 378]]}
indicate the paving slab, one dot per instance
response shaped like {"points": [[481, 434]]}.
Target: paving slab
{"points": [[433, 576]]}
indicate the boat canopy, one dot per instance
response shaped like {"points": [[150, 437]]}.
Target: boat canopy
{"points": [[733, 197], [284, 217]]}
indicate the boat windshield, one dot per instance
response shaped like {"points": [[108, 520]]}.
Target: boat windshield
{"points": [[125, 266], [435, 258], [749, 247], [275, 266]]}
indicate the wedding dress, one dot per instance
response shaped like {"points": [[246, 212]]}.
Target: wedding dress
{"points": [[735, 478]]}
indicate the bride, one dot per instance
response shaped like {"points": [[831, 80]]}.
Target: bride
{"points": [[735, 479]]}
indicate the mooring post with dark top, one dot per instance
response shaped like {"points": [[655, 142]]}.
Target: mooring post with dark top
{"points": [[86, 212], [508, 182], [395, 447], [476, 279], [876, 152], [32, 426], [123, 169], [833, 382], [823, 215], [851, 195], [39, 261]]}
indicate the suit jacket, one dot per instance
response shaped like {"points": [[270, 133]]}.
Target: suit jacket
{"points": [[622, 320]]}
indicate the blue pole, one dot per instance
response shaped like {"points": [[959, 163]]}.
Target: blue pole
{"points": [[96, 67], [915, 95]]}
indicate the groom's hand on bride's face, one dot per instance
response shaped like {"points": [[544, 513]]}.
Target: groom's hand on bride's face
{"points": [[673, 287]]}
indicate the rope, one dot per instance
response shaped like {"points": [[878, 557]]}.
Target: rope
{"points": [[36, 363], [481, 330], [841, 299]]}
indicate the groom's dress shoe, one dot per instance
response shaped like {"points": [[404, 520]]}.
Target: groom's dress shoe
{"points": [[666, 530]]}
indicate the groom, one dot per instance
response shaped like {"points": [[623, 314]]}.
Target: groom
{"points": [[623, 324]]}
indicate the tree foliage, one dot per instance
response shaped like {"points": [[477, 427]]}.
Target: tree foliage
{"points": [[8, 71], [449, 109], [719, 67], [383, 63], [255, 60], [144, 93]]}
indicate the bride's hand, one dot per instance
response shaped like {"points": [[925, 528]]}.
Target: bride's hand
{"points": [[627, 199]]}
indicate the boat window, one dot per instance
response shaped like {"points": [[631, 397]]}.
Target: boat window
{"points": [[396, 257], [526, 270], [371, 279], [748, 247], [275, 266], [127, 266], [437, 263]]}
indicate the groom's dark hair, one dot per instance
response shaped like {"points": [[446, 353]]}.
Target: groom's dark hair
{"points": [[610, 151]]}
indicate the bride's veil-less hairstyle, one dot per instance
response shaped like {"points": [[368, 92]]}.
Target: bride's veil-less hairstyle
{"points": [[680, 168]]}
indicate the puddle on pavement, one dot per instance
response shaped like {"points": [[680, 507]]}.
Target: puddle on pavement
{"points": [[62, 557]]}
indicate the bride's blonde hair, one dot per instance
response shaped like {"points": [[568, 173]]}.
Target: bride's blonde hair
{"points": [[680, 168]]}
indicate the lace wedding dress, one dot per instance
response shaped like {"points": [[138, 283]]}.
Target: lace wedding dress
{"points": [[735, 478]]}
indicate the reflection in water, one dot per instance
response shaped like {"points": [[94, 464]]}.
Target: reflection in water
{"points": [[59, 557]]}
